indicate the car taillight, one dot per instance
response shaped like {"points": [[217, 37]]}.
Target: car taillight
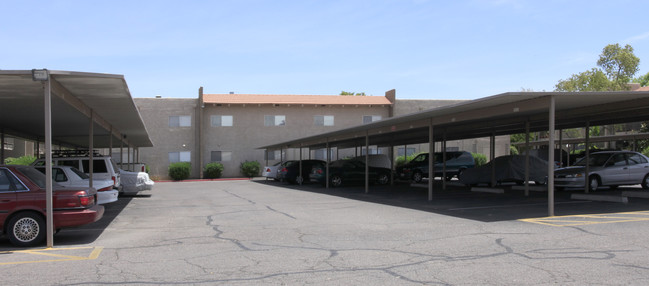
{"points": [[319, 171], [284, 170], [105, 189], [86, 200], [142, 169], [114, 180], [267, 170]]}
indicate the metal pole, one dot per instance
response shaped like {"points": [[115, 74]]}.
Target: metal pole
{"points": [[551, 123], [91, 135], [431, 148], [443, 162], [587, 147], [301, 163], [367, 159], [527, 158], [492, 154], [327, 168], [49, 216]]}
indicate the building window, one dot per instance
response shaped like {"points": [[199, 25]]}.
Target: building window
{"points": [[323, 120], [274, 120], [221, 156], [180, 121], [182, 156], [9, 143], [371, 118], [221, 120], [408, 152], [274, 155]]}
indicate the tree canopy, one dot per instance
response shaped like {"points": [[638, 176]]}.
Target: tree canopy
{"points": [[618, 66], [352, 93]]}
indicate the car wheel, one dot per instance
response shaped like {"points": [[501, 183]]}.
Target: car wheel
{"points": [[336, 181], [645, 182], [26, 229], [299, 180], [448, 178], [383, 179], [593, 183], [417, 177]]}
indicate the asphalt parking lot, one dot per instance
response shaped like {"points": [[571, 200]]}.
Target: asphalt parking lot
{"points": [[265, 232]]}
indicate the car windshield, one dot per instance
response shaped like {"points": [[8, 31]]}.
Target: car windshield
{"points": [[34, 175], [81, 175], [594, 160]]}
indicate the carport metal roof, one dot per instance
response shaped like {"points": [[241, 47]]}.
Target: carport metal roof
{"points": [[501, 114], [76, 96]]}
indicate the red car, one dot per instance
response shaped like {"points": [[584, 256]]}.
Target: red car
{"points": [[22, 205]]}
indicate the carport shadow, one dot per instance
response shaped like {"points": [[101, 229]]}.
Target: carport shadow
{"points": [[460, 201], [85, 234]]}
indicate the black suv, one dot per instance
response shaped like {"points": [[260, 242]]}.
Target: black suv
{"points": [[417, 168]]}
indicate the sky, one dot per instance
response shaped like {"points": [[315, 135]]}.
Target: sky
{"points": [[465, 49]]}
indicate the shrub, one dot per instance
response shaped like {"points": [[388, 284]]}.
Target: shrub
{"points": [[513, 150], [213, 170], [480, 159], [402, 160], [179, 170], [24, 160], [250, 168]]}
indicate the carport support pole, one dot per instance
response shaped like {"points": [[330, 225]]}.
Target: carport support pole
{"points": [[587, 147], [367, 160], [431, 148], [327, 166], [301, 165], [91, 135], [49, 212], [2, 146], [527, 158], [551, 157], [443, 162], [492, 154]]}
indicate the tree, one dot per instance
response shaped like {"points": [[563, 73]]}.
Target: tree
{"points": [[642, 80], [352, 93], [618, 67]]}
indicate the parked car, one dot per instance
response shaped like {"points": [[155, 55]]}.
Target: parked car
{"points": [[417, 169], [291, 172], [71, 177], [509, 168], [134, 182], [272, 172], [348, 172], [22, 205], [612, 168], [376, 160], [103, 166]]}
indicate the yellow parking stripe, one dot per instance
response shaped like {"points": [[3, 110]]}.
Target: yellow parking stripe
{"points": [[590, 219], [48, 252]]}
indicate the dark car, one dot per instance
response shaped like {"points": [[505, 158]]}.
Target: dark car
{"points": [[22, 205], [509, 168], [348, 172], [605, 169], [291, 172], [417, 168]]}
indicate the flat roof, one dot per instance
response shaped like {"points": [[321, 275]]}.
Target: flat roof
{"points": [[501, 114], [294, 99], [74, 96]]}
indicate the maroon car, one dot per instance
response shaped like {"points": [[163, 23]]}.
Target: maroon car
{"points": [[22, 205]]}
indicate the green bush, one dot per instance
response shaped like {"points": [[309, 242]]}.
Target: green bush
{"points": [[24, 160], [513, 150], [213, 170], [250, 168], [402, 160], [480, 159], [180, 170]]}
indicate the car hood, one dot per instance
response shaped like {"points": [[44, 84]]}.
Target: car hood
{"points": [[574, 170]]}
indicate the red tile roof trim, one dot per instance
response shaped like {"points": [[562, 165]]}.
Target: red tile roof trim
{"points": [[294, 99]]}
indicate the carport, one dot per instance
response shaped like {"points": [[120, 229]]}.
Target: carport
{"points": [[503, 114], [87, 110]]}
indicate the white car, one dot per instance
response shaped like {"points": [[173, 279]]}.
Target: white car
{"points": [[272, 172], [71, 177], [134, 182]]}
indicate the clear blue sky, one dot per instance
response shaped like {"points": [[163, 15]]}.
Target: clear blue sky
{"points": [[423, 49]]}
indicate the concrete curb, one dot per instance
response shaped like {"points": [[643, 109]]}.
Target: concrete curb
{"points": [[488, 190], [600, 198], [638, 194], [532, 188]]}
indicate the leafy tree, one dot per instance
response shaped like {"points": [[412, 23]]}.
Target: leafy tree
{"points": [[24, 160], [642, 80], [352, 93], [618, 67]]}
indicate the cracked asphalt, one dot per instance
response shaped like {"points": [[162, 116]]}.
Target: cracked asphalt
{"points": [[258, 232]]}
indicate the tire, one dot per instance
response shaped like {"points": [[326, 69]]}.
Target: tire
{"points": [[645, 182], [335, 181], [593, 183], [417, 177], [383, 179], [26, 229], [299, 180]]}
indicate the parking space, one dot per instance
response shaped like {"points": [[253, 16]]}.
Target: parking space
{"points": [[265, 232]]}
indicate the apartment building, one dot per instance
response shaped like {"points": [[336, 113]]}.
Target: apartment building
{"points": [[228, 128]]}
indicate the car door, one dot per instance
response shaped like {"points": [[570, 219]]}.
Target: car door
{"points": [[616, 170], [638, 168], [7, 194]]}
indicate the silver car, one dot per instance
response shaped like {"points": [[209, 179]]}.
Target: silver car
{"points": [[613, 168]]}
